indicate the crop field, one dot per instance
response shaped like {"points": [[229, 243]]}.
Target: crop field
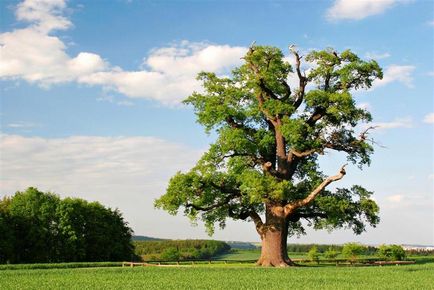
{"points": [[418, 276]]}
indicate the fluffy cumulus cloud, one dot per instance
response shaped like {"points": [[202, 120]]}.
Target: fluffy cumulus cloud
{"points": [[124, 172], [167, 75], [35, 55], [359, 9], [396, 73], [46, 15]]}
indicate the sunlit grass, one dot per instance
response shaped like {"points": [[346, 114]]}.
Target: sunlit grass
{"points": [[222, 276]]}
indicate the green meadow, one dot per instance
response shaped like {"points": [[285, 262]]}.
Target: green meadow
{"points": [[418, 276]]}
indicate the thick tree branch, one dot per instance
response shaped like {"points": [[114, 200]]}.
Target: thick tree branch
{"points": [[282, 159], [249, 213], [267, 90], [258, 222], [288, 91], [301, 78], [302, 154], [318, 113], [289, 208], [268, 167], [273, 95]]}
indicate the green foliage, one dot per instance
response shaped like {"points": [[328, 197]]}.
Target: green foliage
{"points": [[241, 171], [185, 249], [40, 227], [331, 254], [313, 254], [347, 207], [352, 250], [170, 254], [391, 252], [7, 237]]}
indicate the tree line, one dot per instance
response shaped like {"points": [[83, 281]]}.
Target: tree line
{"points": [[39, 227], [304, 248], [176, 250], [352, 251]]}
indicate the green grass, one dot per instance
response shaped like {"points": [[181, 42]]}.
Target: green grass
{"points": [[59, 265], [240, 255], [419, 276]]}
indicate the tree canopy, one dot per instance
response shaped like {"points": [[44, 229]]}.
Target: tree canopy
{"points": [[270, 139], [41, 227]]}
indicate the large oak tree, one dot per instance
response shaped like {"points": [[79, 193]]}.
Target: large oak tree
{"points": [[263, 167]]}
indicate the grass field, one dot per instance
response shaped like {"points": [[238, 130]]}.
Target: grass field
{"points": [[419, 276]]}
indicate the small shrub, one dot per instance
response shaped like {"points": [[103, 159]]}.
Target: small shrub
{"points": [[331, 254], [313, 254], [391, 252], [352, 250]]}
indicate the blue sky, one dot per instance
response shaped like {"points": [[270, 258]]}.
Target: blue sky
{"points": [[91, 91]]}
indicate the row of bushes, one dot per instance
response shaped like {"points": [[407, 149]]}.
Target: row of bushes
{"points": [[178, 250], [304, 248], [351, 251]]}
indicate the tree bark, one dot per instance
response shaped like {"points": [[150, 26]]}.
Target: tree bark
{"points": [[274, 237]]}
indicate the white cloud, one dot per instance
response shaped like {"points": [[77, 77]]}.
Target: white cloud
{"points": [[359, 9], [123, 172], [38, 57], [83, 163], [397, 123], [396, 73], [45, 15], [377, 56], [429, 118], [167, 74]]}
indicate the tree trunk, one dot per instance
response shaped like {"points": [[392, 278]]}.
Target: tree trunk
{"points": [[274, 238]]}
